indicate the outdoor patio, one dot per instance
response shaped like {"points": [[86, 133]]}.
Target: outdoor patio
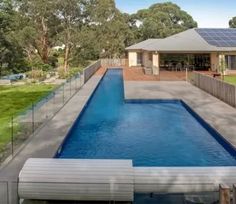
{"points": [[137, 74]]}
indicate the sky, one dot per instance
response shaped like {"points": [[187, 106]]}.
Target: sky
{"points": [[207, 13]]}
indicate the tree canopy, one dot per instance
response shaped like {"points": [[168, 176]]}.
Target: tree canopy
{"points": [[88, 29], [162, 20], [11, 53], [232, 22]]}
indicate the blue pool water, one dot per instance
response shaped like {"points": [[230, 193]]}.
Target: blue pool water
{"points": [[151, 133]]}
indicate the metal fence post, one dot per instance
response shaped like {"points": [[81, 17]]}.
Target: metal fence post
{"points": [[33, 118], [70, 87], [76, 82], [63, 94], [54, 103], [12, 136], [186, 74], [80, 80], [47, 107], [234, 96]]}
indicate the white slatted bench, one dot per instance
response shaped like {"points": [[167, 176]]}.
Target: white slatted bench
{"points": [[182, 179], [80, 180]]}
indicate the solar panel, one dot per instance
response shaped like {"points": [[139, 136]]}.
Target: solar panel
{"points": [[218, 37]]}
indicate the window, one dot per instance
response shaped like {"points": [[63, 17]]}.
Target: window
{"points": [[139, 58], [150, 57], [231, 62]]}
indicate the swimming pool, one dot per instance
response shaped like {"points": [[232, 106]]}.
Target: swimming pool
{"points": [[150, 132]]}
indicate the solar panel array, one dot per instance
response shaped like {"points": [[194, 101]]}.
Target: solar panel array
{"points": [[218, 37]]}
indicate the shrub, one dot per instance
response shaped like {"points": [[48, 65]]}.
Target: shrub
{"points": [[39, 75], [61, 73], [70, 73], [41, 66], [53, 61]]}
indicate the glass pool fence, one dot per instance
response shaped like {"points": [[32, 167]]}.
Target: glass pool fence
{"points": [[19, 128]]}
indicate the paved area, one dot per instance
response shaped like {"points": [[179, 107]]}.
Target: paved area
{"points": [[215, 112], [47, 140], [137, 74]]}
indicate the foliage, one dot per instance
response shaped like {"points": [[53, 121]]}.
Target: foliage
{"points": [[232, 22], [88, 29], [11, 54], [162, 20], [70, 73], [39, 75], [38, 65], [52, 62], [74, 71], [87, 50], [61, 73], [71, 15], [41, 26], [110, 28]]}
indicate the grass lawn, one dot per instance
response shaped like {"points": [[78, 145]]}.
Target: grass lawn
{"points": [[230, 79], [14, 100]]}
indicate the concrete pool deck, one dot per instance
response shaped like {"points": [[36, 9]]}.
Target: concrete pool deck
{"points": [[218, 114]]}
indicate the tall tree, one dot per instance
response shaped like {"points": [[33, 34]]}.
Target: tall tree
{"points": [[111, 27], [40, 26], [88, 49], [162, 20], [72, 15], [11, 54], [232, 22]]}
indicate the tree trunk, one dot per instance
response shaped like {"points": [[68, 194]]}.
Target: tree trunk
{"points": [[66, 57], [67, 51], [43, 52]]}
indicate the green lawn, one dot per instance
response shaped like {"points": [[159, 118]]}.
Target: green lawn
{"points": [[13, 101], [230, 79]]}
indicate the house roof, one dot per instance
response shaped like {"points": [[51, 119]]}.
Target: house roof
{"points": [[193, 40]]}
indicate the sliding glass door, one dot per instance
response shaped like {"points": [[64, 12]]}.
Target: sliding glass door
{"points": [[196, 61]]}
